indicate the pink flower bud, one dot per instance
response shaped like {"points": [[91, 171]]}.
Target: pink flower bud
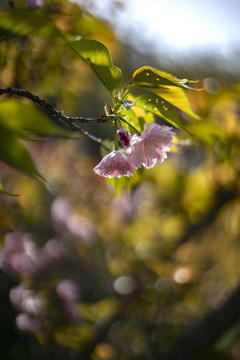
{"points": [[124, 137]]}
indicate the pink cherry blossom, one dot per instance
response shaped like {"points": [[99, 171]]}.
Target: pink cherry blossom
{"points": [[114, 165], [124, 137], [151, 146]]}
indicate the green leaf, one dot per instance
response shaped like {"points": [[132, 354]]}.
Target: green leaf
{"points": [[126, 183], [207, 132], [96, 55], [92, 52], [133, 119], [160, 107], [177, 97], [14, 153], [19, 116], [26, 23], [147, 75], [4, 192]]}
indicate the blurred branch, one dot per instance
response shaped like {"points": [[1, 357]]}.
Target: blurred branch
{"points": [[208, 331], [59, 115], [222, 197]]}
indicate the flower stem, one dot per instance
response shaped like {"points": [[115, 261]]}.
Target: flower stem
{"points": [[116, 137], [129, 124]]}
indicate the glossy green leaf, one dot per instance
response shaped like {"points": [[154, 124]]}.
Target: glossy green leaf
{"points": [[5, 192], [147, 75], [137, 121], [19, 116], [177, 97], [96, 55], [26, 23], [159, 107], [15, 154], [133, 119]]}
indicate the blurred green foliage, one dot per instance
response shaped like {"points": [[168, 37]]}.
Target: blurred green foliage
{"points": [[86, 275]]}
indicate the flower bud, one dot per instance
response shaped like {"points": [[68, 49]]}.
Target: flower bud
{"points": [[124, 137]]}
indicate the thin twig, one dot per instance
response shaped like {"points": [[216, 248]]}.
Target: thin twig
{"points": [[59, 115], [76, 127]]}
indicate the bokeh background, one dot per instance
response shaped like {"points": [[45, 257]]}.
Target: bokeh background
{"points": [[154, 272]]}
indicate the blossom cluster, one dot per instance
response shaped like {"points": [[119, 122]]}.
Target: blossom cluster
{"points": [[23, 260], [144, 150]]}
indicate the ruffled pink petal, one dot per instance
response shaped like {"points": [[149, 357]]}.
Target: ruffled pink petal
{"points": [[114, 165], [151, 146]]}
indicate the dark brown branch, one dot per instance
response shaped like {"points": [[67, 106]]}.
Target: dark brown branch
{"points": [[222, 197], [50, 108], [59, 115], [209, 330]]}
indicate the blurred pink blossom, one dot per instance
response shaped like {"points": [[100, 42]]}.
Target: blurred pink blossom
{"points": [[61, 211], [151, 146], [30, 306], [68, 293], [49, 255], [114, 165], [35, 4], [19, 254], [67, 219], [27, 322], [26, 300], [124, 137]]}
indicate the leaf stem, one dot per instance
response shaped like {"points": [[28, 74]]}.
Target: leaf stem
{"points": [[129, 124], [116, 137]]}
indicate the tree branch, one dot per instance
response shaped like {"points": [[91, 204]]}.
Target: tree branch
{"points": [[222, 197], [59, 115]]}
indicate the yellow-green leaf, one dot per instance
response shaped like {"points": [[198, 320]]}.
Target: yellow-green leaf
{"points": [[96, 55], [147, 75], [26, 23], [15, 154], [133, 119], [159, 107], [177, 97], [5, 192]]}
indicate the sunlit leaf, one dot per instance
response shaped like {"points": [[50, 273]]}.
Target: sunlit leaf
{"points": [[159, 107], [19, 116], [177, 97], [96, 55], [207, 132], [15, 154], [132, 118], [26, 23], [5, 192], [153, 77]]}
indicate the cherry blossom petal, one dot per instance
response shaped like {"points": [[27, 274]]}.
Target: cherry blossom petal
{"points": [[114, 165], [151, 146]]}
